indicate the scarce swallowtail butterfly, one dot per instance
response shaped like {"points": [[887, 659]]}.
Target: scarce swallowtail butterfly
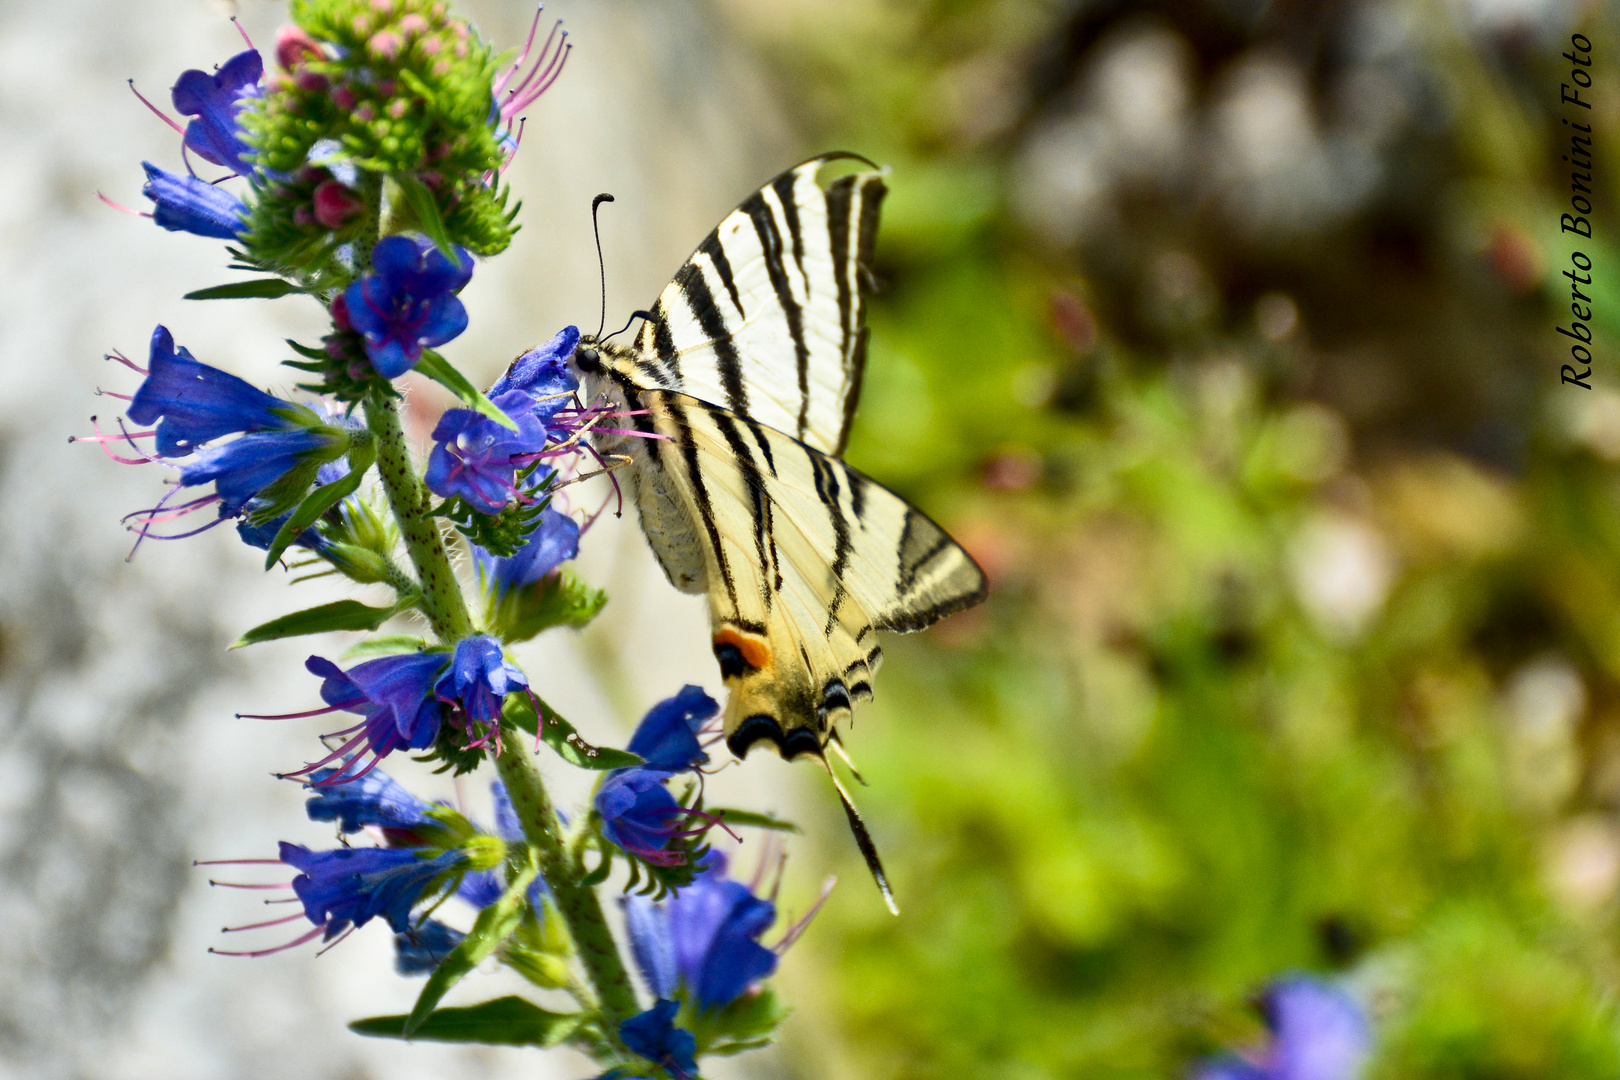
{"points": [[747, 370]]}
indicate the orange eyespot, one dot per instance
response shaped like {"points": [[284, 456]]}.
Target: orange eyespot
{"points": [[739, 653]]}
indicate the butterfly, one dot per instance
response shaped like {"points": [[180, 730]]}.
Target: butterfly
{"points": [[742, 383]]}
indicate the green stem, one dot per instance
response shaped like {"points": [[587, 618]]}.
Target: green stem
{"points": [[578, 904], [442, 601]]}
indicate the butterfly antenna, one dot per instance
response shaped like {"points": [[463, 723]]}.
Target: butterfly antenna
{"points": [[600, 265], [634, 315], [863, 840]]}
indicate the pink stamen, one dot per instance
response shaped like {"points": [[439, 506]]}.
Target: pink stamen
{"points": [[144, 534], [534, 28], [261, 925], [235, 862], [522, 96], [239, 885], [121, 207], [540, 58], [798, 928], [126, 361], [293, 944], [159, 113], [286, 716], [114, 394], [517, 144], [327, 760], [337, 942], [244, 33]]}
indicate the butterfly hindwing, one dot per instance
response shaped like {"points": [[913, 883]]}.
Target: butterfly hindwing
{"points": [[767, 316], [804, 559]]}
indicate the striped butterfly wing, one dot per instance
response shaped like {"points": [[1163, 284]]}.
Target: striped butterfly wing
{"points": [[803, 559], [767, 316]]}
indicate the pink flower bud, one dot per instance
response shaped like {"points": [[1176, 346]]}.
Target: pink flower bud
{"points": [[335, 204], [343, 96], [413, 24], [294, 47], [384, 45]]}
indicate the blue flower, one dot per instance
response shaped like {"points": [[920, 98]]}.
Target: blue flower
{"points": [[666, 739], [551, 541], [480, 677], [543, 374], [374, 799], [245, 466], [351, 886], [654, 1036], [704, 938], [418, 950], [192, 403], [478, 459], [639, 815], [187, 204], [407, 302], [214, 100], [1318, 1033], [393, 694], [262, 534]]}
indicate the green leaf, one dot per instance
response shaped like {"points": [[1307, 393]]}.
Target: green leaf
{"points": [[749, 1022], [426, 207], [258, 288], [338, 615], [493, 925], [439, 370], [507, 1021], [560, 735], [749, 818], [385, 645], [561, 599], [307, 352], [321, 500]]}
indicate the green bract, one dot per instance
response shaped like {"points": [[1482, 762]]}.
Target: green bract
{"points": [[395, 105]]}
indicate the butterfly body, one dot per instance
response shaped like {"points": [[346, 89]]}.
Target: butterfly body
{"points": [[739, 391]]}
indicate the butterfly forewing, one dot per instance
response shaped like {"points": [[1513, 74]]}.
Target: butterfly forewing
{"points": [[767, 316]]}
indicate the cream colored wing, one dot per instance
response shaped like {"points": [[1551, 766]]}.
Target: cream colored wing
{"points": [[767, 316], [804, 559]]}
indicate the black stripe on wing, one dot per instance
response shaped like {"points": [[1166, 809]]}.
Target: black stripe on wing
{"points": [[770, 242]]}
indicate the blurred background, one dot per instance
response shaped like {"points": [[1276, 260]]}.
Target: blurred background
{"points": [[1219, 330]]}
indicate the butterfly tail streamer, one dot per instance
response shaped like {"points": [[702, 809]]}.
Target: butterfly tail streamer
{"points": [[863, 840]]}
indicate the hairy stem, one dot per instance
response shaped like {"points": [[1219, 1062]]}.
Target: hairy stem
{"points": [[442, 602], [578, 904]]}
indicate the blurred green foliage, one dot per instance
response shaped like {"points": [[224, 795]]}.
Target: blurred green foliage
{"points": [[1303, 649]]}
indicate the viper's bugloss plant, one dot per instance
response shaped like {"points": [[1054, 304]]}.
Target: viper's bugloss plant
{"points": [[362, 169]]}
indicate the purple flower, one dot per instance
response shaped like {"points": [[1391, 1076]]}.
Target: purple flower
{"points": [[420, 949], [374, 799], [639, 815], [480, 677], [704, 938], [553, 540], [543, 374], [351, 886], [666, 739], [187, 204], [407, 302], [192, 403], [393, 694], [214, 100], [1318, 1033], [478, 459], [654, 1036]]}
